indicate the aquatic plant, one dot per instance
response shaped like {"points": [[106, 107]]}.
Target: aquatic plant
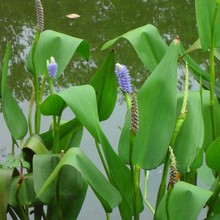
{"points": [[162, 127]]}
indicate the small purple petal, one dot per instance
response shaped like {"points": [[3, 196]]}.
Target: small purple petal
{"points": [[123, 77]]}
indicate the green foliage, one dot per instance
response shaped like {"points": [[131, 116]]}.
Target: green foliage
{"points": [[163, 126]]}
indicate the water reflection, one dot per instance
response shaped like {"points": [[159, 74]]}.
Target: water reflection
{"points": [[99, 21]]}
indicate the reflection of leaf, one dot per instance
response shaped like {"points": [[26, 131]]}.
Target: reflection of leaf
{"points": [[72, 16]]}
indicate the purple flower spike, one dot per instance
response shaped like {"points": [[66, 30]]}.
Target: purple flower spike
{"points": [[52, 67], [123, 76]]}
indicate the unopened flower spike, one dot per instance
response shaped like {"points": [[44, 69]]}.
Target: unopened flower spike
{"points": [[52, 67], [174, 175], [40, 14], [123, 77], [134, 113]]}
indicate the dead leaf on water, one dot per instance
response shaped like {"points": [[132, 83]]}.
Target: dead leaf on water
{"points": [[72, 16]]}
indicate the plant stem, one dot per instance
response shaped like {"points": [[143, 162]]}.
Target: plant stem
{"points": [[212, 73], [214, 197], [108, 216], [135, 174], [36, 85], [31, 103], [102, 159], [146, 174], [162, 188], [56, 135]]}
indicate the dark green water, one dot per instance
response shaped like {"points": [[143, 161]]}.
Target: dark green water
{"points": [[99, 22]]}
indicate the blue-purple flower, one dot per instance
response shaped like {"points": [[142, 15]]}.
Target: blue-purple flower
{"points": [[52, 67], [123, 77]]}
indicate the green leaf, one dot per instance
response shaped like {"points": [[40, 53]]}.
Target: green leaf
{"points": [[26, 194], [34, 144], [208, 138], [5, 183], [82, 101], [43, 166], [183, 197], [157, 112], [104, 83], [205, 10], [106, 193], [60, 46], [213, 155], [147, 43], [214, 217], [191, 134], [13, 115], [57, 103]]}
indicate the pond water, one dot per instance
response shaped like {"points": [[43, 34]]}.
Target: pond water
{"points": [[99, 22]]}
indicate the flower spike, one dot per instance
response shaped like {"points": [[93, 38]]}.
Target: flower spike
{"points": [[123, 77], [52, 67]]}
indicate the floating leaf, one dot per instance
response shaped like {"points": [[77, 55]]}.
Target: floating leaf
{"points": [[72, 15]]}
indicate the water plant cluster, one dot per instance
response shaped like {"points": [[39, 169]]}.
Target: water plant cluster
{"points": [[178, 130]]}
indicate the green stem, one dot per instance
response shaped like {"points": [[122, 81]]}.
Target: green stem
{"points": [[135, 174], [36, 85], [214, 198], [212, 73], [146, 174], [108, 216], [56, 137], [102, 159], [162, 188], [31, 103]]}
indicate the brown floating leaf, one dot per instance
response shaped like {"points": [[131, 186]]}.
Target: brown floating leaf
{"points": [[72, 16]]}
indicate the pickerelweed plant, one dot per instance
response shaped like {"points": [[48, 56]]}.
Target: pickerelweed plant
{"points": [[176, 130]]}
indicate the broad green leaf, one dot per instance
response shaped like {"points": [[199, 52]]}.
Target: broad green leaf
{"points": [[57, 103], [104, 83], [208, 138], [13, 115], [43, 166], [5, 183], [82, 101], [213, 155], [214, 217], [26, 194], [191, 134], [34, 145], [157, 112], [58, 45], [205, 10], [186, 202], [106, 193], [147, 42]]}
